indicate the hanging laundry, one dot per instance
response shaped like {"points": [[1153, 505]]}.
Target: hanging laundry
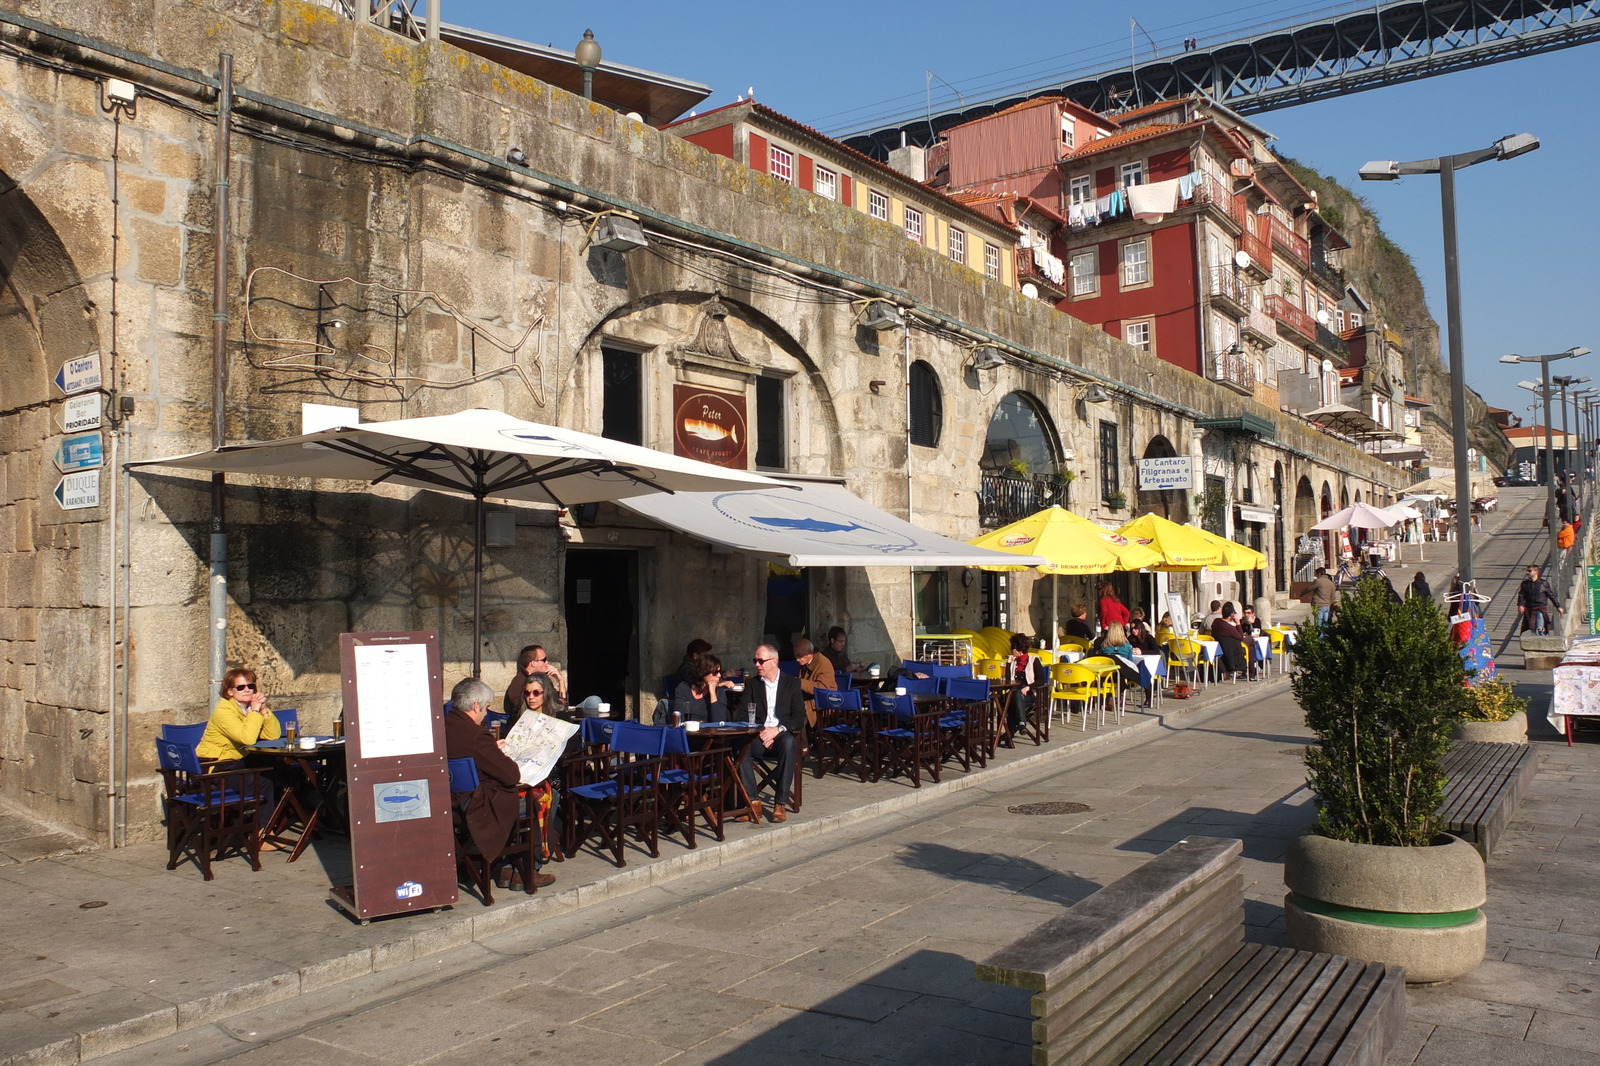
{"points": [[1189, 183], [1154, 202], [1102, 206]]}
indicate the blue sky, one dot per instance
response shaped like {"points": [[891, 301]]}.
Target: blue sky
{"points": [[1528, 228]]}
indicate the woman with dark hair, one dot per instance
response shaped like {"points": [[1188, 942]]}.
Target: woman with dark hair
{"points": [[1226, 632], [1419, 588], [239, 719], [533, 660], [1025, 668], [703, 699], [539, 696], [689, 669]]}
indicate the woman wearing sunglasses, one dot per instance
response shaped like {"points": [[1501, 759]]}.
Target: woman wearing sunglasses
{"points": [[239, 719]]}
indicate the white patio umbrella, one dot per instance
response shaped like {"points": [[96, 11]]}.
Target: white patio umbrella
{"points": [[478, 453], [1360, 515]]}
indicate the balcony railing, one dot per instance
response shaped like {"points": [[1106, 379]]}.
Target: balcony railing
{"points": [[1003, 499], [1229, 286], [1212, 191], [1328, 339], [1258, 250], [1260, 323], [1233, 368], [1291, 315], [1291, 242], [1038, 266]]}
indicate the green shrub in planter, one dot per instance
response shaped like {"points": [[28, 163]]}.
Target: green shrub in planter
{"points": [[1380, 685], [1492, 700]]}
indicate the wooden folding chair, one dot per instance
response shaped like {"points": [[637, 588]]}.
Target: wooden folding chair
{"points": [[908, 739], [844, 734], [212, 810]]}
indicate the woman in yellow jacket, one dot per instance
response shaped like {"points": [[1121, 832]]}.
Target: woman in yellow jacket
{"points": [[239, 719]]}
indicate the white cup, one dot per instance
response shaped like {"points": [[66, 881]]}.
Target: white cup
{"points": [[693, 727], [738, 688], [899, 691], [307, 743], [604, 710]]}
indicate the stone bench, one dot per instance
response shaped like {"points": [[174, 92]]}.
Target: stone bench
{"points": [[1153, 969], [1484, 783]]}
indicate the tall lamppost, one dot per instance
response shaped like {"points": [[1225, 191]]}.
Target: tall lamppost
{"points": [[1581, 399], [1564, 382], [1508, 147], [1543, 389], [588, 56]]}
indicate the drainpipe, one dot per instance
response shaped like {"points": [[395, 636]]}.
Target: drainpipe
{"points": [[219, 374]]}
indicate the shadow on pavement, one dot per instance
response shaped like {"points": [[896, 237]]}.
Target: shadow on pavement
{"points": [[1021, 875]]}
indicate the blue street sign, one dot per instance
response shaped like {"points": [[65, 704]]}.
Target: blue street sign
{"points": [[83, 452]]}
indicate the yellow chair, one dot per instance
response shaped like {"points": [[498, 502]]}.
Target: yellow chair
{"points": [[993, 669], [1280, 648], [1071, 683], [1185, 654], [1045, 656], [1110, 683], [1083, 644]]}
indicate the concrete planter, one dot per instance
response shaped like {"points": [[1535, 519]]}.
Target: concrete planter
{"points": [[1415, 907], [1513, 730]]}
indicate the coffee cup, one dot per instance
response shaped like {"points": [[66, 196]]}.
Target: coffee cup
{"points": [[605, 710], [738, 688], [692, 727], [899, 691], [307, 743]]}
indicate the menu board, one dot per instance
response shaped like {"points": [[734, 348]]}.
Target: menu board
{"points": [[394, 678]]}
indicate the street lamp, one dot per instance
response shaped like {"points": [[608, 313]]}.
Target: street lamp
{"points": [[1564, 382], [1543, 389], [1508, 147], [588, 56]]}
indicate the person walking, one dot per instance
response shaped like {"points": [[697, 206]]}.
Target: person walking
{"points": [[1535, 597]]}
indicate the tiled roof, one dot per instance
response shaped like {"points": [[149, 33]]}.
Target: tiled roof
{"points": [[861, 159], [1122, 137]]}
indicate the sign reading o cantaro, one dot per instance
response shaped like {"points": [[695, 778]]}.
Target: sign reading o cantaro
{"points": [[1168, 472], [79, 375]]}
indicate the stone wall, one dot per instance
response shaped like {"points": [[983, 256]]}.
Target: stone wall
{"points": [[470, 285]]}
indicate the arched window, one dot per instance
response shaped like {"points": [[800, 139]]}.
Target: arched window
{"points": [[1021, 439], [927, 405]]}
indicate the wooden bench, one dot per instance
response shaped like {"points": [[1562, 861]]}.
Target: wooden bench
{"points": [[1153, 969], [1485, 782]]}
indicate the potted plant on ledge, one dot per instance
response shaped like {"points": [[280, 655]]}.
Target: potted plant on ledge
{"points": [[1381, 685], [1115, 500], [1494, 713]]}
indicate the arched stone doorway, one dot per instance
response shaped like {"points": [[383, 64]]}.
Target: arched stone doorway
{"points": [[1021, 463]]}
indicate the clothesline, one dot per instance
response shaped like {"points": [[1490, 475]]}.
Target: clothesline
{"points": [[1150, 202]]}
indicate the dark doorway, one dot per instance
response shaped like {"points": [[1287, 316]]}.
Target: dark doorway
{"points": [[1253, 539], [788, 607], [601, 594]]}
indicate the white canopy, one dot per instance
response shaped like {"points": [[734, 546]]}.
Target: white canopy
{"points": [[812, 524], [1360, 515]]}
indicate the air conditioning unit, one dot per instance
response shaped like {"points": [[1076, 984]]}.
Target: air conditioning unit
{"points": [[880, 315]]}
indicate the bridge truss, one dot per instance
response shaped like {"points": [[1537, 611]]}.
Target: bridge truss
{"points": [[1380, 44]]}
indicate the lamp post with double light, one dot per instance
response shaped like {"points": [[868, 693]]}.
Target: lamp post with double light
{"points": [[1543, 389], [1508, 147]]}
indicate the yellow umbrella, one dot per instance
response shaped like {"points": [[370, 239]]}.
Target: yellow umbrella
{"points": [[1179, 547], [1235, 556], [1071, 543]]}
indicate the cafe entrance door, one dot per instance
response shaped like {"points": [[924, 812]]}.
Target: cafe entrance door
{"points": [[601, 596]]}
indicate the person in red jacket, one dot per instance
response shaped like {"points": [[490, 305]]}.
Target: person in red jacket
{"points": [[1112, 609]]}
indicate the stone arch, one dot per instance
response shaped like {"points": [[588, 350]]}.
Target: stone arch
{"points": [[670, 322], [1171, 504], [1020, 470], [52, 731]]}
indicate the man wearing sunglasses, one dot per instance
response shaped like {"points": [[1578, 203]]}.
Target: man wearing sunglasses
{"points": [[239, 719], [778, 707]]}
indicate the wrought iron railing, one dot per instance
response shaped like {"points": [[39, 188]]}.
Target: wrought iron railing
{"points": [[1291, 242], [1233, 368], [1004, 498], [1290, 314]]}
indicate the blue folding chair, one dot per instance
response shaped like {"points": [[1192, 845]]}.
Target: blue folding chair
{"points": [[790, 667], [693, 785], [184, 734], [843, 733], [287, 717], [612, 789], [907, 740], [970, 697], [210, 811], [918, 686]]}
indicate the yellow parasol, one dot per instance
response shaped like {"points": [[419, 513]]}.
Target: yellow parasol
{"points": [[1235, 556], [1071, 543], [1178, 547]]}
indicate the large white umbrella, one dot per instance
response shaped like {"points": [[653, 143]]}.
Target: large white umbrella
{"points": [[1360, 515], [478, 453]]}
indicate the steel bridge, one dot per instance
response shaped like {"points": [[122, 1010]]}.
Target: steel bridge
{"points": [[1376, 45]]}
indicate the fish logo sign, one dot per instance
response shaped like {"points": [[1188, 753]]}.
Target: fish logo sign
{"points": [[400, 801]]}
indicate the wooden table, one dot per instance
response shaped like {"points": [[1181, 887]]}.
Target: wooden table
{"points": [[737, 736], [322, 769]]}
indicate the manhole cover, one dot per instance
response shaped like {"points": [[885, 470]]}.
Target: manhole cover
{"points": [[1050, 808], [91, 905]]}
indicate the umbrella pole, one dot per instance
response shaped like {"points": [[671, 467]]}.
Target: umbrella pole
{"points": [[1055, 610], [477, 590]]}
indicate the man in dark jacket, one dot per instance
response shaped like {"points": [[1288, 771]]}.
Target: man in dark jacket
{"points": [[1226, 632], [779, 709], [1535, 597], [491, 812]]}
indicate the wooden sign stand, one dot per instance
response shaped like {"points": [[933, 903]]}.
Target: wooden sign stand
{"points": [[402, 848]]}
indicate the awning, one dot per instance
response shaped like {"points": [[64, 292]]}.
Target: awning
{"points": [[812, 524]]}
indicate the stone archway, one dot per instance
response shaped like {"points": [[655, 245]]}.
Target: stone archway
{"points": [[54, 753]]}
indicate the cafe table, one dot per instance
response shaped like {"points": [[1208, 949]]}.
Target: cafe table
{"points": [[321, 770], [1577, 686], [1152, 671], [1101, 670], [734, 736]]}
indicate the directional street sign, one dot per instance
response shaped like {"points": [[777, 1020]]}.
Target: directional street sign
{"points": [[79, 413], [79, 375], [76, 491], [86, 451]]}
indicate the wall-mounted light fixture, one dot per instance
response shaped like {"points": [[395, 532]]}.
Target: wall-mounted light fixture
{"points": [[880, 314], [617, 231], [987, 357]]}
